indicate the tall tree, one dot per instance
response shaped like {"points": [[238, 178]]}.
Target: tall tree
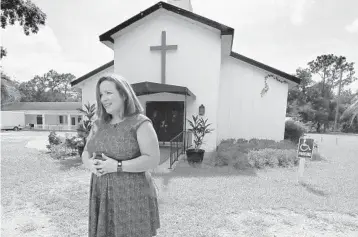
{"points": [[346, 71], [26, 13], [324, 66], [65, 84], [51, 86]]}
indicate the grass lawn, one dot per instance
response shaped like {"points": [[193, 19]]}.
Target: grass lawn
{"points": [[42, 197]]}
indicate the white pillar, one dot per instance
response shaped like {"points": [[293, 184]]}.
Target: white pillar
{"points": [[43, 121], [69, 121]]}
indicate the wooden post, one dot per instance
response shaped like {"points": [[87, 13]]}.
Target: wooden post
{"points": [[301, 169]]}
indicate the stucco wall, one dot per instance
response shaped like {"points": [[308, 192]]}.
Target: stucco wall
{"points": [[243, 113], [195, 64], [89, 86]]}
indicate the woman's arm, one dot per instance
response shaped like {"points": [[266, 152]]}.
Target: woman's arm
{"points": [[149, 148], [85, 154]]}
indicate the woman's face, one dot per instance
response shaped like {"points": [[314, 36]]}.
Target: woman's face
{"points": [[111, 99]]}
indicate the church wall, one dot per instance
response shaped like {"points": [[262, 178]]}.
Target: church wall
{"points": [[195, 64], [89, 86], [242, 112]]}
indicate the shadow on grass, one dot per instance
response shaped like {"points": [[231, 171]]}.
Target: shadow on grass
{"points": [[72, 162], [184, 169], [310, 188]]}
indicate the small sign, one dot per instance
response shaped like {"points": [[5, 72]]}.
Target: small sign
{"points": [[305, 148]]}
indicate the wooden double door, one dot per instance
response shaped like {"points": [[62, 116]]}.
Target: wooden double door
{"points": [[167, 118]]}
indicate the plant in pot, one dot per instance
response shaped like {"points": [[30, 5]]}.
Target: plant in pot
{"points": [[199, 128], [84, 128]]}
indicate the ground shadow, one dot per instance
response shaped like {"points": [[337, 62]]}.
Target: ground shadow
{"points": [[184, 169], [68, 163], [310, 188]]}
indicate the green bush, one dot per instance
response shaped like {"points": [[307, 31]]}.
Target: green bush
{"points": [[272, 158], [53, 138], [61, 151], [258, 153], [294, 130]]}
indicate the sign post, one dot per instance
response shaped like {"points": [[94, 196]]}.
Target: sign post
{"points": [[305, 150]]}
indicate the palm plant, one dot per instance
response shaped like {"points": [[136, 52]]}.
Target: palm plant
{"points": [[85, 126], [199, 128], [352, 111]]}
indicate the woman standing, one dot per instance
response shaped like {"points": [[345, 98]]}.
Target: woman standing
{"points": [[121, 148]]}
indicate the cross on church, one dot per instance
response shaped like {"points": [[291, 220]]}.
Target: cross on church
{"points": [[163, 49]]}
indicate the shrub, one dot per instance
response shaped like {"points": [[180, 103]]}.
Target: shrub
{"points": [[60, 151], [255, 153], [272, 158], [232, 157], [53, 138], [294, 130]]}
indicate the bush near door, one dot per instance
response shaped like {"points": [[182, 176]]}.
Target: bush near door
{"points": [[256, 153]]}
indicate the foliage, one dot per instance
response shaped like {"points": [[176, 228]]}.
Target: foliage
{"points": [[199, 128], [9, 91], [255, 153], [84, 128], [266, 87], [50, 87], [294, 130], [324, 66], [352, 111], [61, 151], [315, 103], [61, 147], [26, 13], [54, 139], [272, 158]]}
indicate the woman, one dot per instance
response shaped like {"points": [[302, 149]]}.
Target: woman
{"points": [[121, 148]]}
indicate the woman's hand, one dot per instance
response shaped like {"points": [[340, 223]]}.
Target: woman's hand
{"points": [[108, 165], [91, 163]]}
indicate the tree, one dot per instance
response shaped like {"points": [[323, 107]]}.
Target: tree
{"points": [[346, 78], [9, 90], [50, 87], [26, 13], [324, 66]]}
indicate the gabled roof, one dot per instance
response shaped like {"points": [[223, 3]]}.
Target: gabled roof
{"points": [[265, 67], [225, 30], [91, 73], [19, 106]]}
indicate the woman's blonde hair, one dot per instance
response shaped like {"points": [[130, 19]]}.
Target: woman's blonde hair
{"points": [[132, 105]]}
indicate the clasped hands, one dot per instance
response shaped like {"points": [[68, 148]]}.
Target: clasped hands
{"points": [[102, 167]]}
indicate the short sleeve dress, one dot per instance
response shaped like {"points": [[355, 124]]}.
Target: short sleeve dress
{"points": [[122, 204]]}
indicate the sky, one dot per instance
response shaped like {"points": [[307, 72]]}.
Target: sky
{"points": [[284, 34]]}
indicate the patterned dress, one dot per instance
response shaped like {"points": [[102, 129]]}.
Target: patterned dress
{"points": [[121, 204]]}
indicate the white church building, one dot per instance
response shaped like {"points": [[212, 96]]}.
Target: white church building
{"points": [[177, 61]]}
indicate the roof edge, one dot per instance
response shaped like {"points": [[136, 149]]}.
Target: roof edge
{"points": [[225, 30], [265, 67], [91, 73]]}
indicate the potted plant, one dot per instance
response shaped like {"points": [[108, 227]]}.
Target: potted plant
{"points": [[84, 128], [199, 128]]}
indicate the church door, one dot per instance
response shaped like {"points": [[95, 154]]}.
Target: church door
{"points": [[167, 118]]}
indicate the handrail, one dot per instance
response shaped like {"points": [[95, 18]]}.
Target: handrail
{"points": [[178, 146]]}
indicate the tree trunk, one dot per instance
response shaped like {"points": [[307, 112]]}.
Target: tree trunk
{"points": [[338, 100]]}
